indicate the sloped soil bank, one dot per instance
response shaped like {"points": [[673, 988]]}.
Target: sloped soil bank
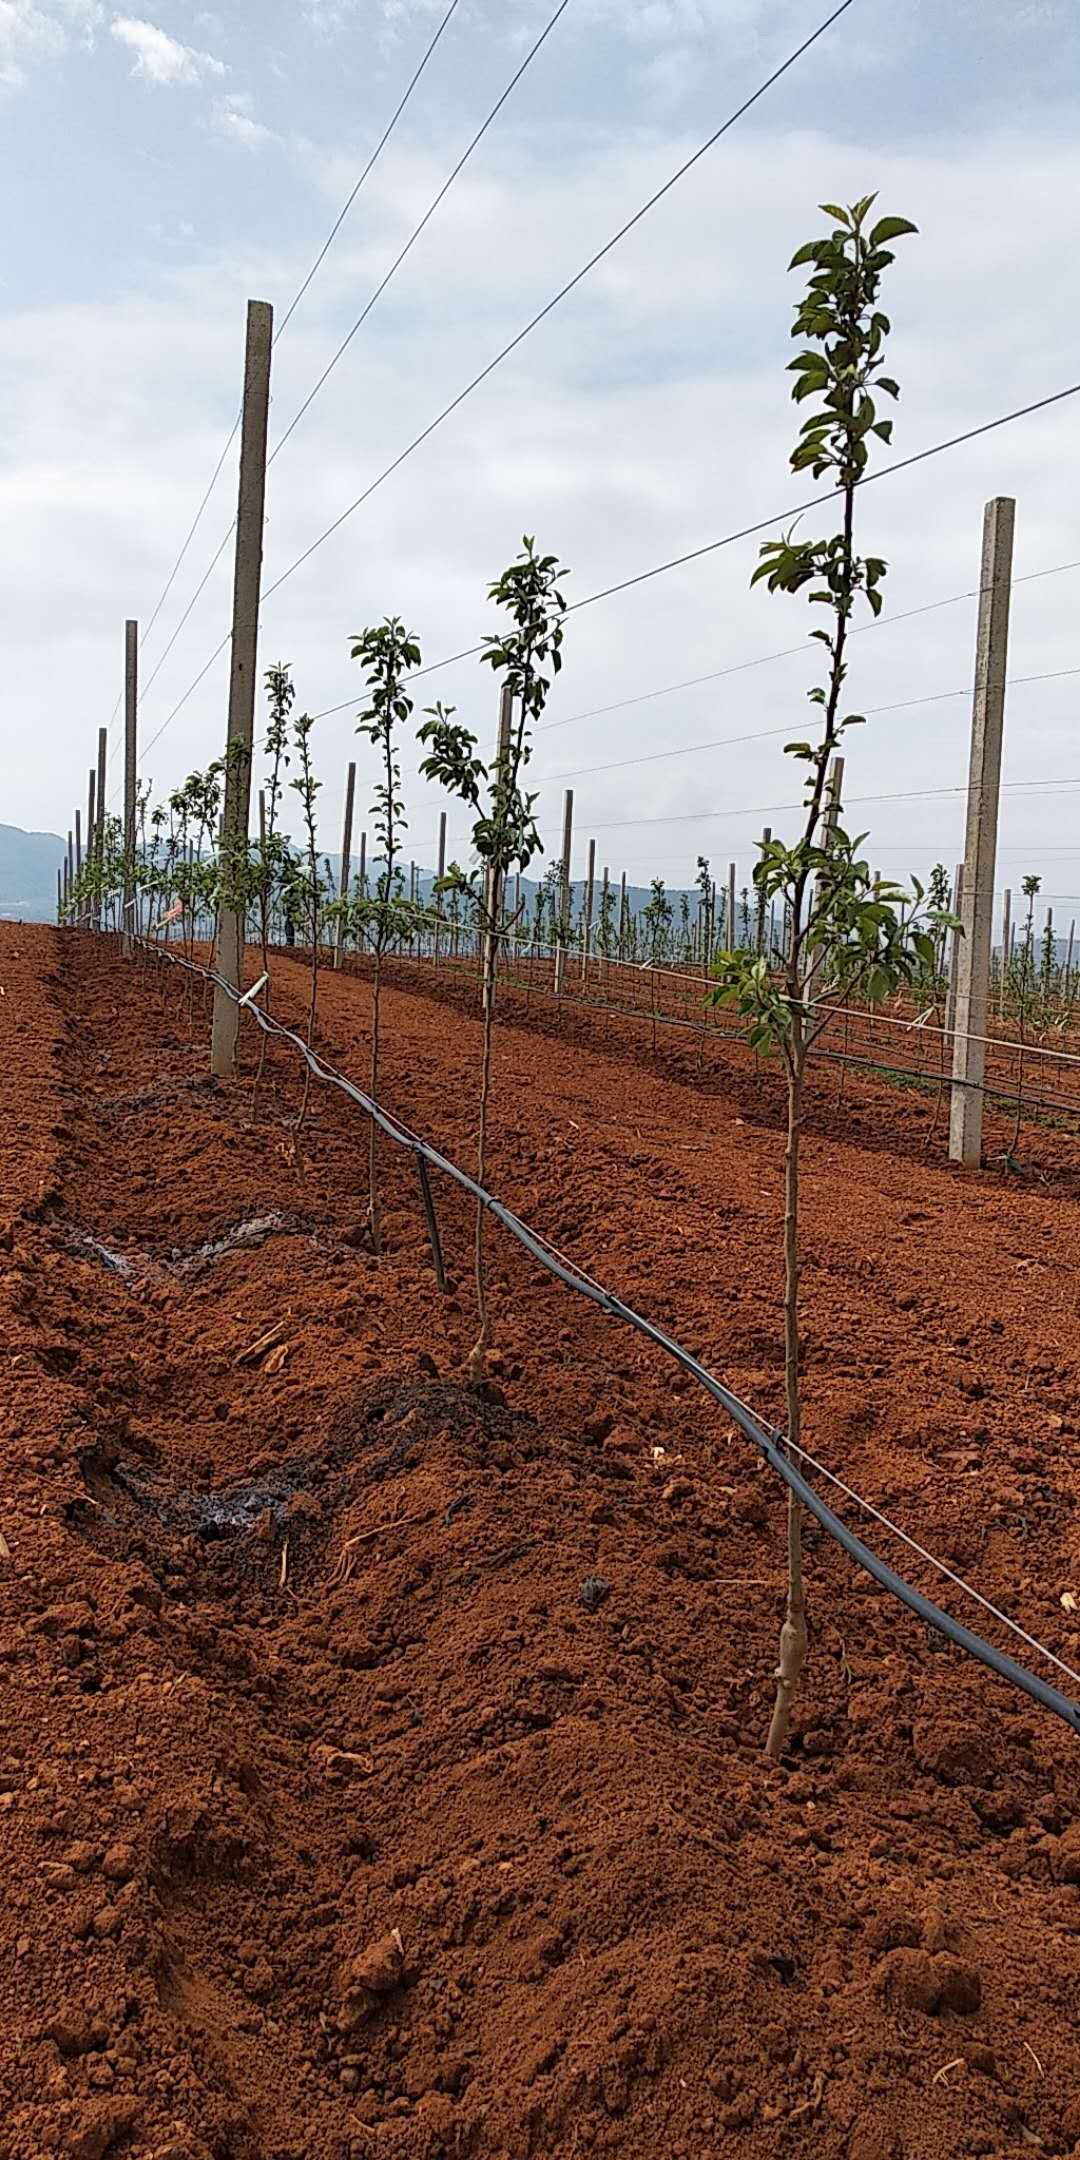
{"points": [[380, 1771]]}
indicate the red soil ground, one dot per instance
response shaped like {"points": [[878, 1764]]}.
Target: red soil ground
{"points": [[335, 1822]]}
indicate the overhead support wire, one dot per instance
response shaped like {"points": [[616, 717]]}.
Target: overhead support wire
{"points": [[566, 289], [368, 168], [282, 326], [418, 229]]}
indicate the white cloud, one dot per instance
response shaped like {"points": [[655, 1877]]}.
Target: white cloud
{"points": [[234, 118], [42, 30], [160, 58], [650, 415], [26, 32]]}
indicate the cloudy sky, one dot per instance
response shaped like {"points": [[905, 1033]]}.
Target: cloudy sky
{"points": [[161, 168]]}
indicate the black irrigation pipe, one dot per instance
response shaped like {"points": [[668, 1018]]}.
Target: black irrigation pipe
{"points": [[768, 1443]]}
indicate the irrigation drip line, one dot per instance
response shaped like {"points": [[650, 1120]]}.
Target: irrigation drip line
{"points": [[913, 1545], [768, 1443]]}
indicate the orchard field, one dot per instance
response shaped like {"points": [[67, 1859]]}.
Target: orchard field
{"points": [[382, 1768]]}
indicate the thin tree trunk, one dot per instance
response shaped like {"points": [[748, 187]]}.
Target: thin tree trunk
{"points": [[1022, 1026], [374, 1211], [479, 1350], [310, 1028], [793, 1632]]}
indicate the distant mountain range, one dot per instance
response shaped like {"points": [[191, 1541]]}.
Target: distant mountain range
{"points": [[29, 860], [28, 865]]}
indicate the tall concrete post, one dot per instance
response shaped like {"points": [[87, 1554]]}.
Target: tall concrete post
{"points": [[69, 861], [564, 890], [980, 843], [730, 924], [605, 888], [99, 822], [247, 586], [346, 858], [131, 701], [78, 841], [622, 916], [1006, 925], [590, 886], [91, 843], [59, 891], [439, 876]]}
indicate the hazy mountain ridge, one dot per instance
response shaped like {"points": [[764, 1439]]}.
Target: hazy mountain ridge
{"points": [[28, 865]]}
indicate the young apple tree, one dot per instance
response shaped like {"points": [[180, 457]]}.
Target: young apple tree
{"points": [[388, 653], [847, 934], [305, 890], [504, 834]]}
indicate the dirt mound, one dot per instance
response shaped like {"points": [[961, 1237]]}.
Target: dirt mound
{"points": [[381, 1773]]}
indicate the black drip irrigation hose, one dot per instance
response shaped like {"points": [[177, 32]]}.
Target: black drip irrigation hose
{"points": [[768, 1442]]}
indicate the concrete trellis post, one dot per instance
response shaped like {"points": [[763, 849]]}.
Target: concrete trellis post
{"points": [[729, 924], [346, 855], [586, 927], [59, 891], [91, 805], [99, 822], [1069, 959], [605, 888], [78, 841], [131, 701], [247, 587], [362, 873], [1006, 940], [980, 844], [442, 874], [622, 916], [563, 928]]}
